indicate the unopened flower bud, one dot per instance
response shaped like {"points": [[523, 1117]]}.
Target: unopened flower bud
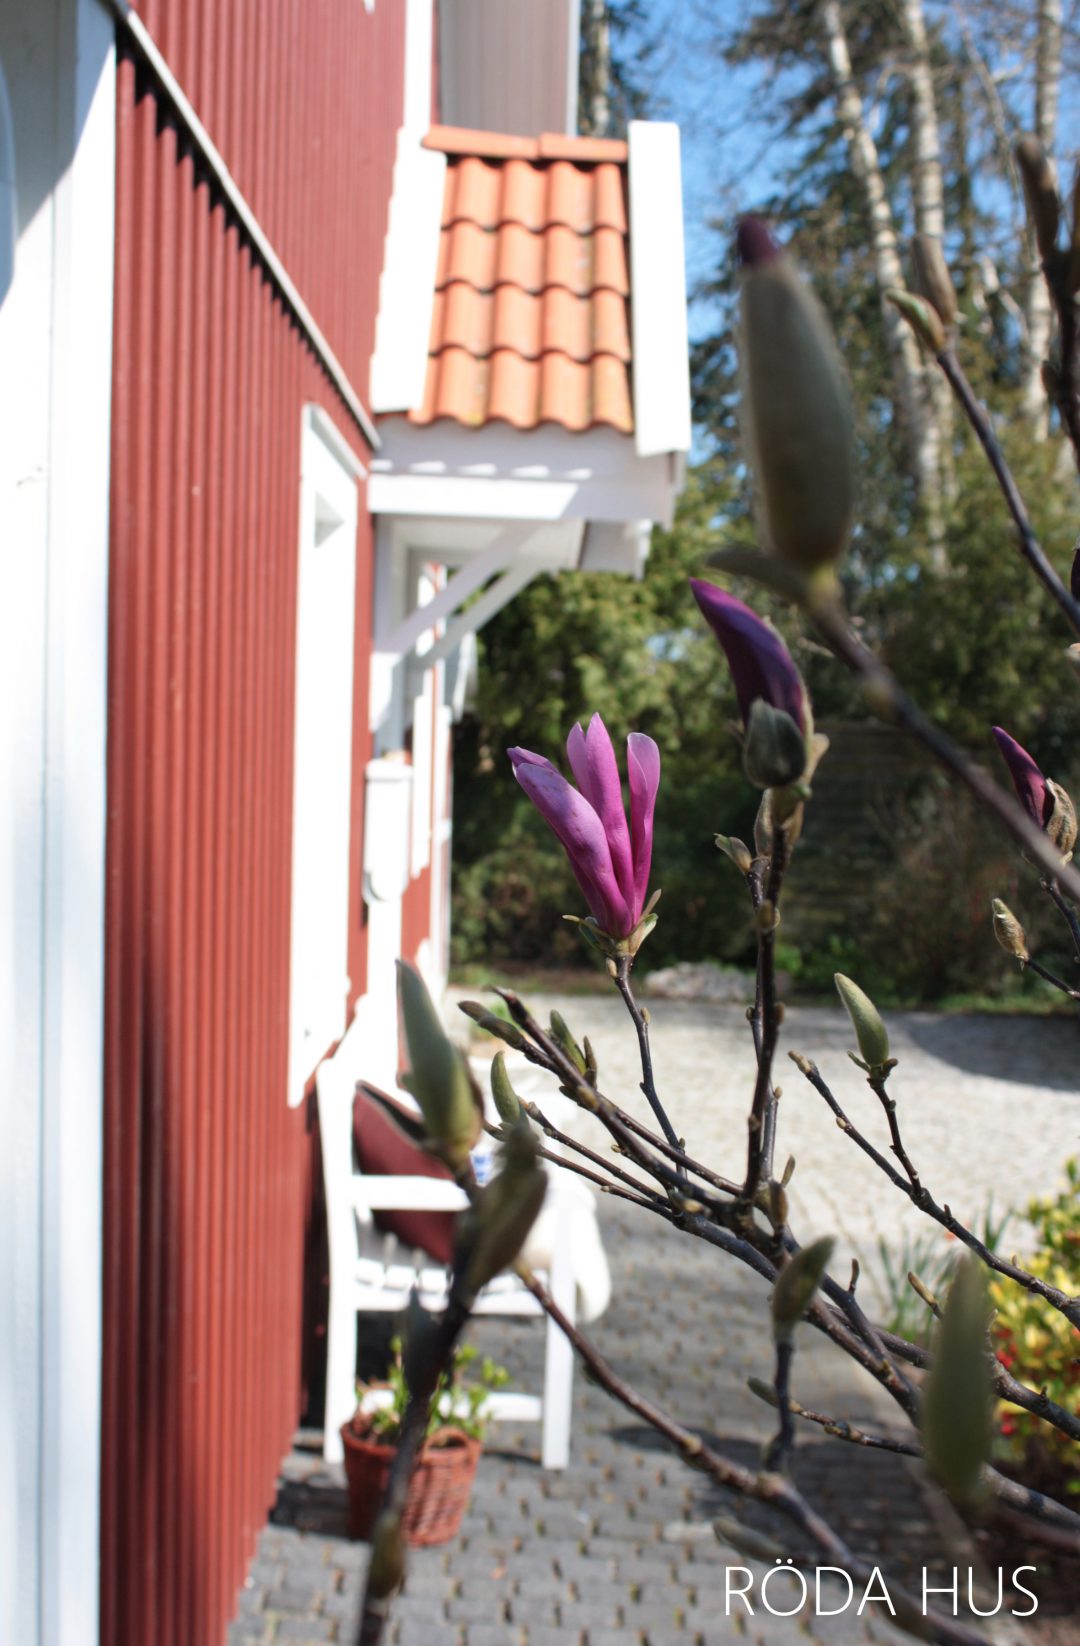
{"points": [[1009, 932], [796, 409], [507, 1102], [774, 754], [932, 278], [796, 1284], [958, 1402], [737, 850], [764, 828], [1040, 191], [592, 1068], [496, 1227], [1073, 654], [870, 1031], [921, 316], [562, 1037], [498, 1026], [439, 1076]]}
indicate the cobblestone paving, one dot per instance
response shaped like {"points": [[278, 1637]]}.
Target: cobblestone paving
{"points": [[595, 1556]]}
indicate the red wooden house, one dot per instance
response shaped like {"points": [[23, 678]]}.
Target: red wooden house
{"points": [[317, 325]]}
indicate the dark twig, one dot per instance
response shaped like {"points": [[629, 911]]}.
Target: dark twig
{"points": [[641, 1024], [1068, 913], [921, 1197], [1040, 970], [890, 702], [880, 1089], [642, 1192], [783, 1442], [1029, 543]]}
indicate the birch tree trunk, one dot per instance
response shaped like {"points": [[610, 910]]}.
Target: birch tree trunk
{"points": [[912, 394], [929, 196], [595, 91], [1037, 299]]}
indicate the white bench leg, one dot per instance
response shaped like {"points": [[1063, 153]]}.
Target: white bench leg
{"points": [[341, 1335], [559, 1356]]}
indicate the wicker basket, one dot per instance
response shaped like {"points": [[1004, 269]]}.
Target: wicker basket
{"points": [[438, 1492]]}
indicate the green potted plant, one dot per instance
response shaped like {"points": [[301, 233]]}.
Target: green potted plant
{"points": [[442, 1480]]}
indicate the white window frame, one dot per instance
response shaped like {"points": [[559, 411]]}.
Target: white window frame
{"points": [[325, 662]]}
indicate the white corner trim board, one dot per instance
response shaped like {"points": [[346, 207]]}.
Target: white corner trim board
{"points": [[658, 285], [407, 283], [212, 158]]}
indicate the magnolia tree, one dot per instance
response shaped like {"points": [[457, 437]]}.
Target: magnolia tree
{"points": [[798, 436]]}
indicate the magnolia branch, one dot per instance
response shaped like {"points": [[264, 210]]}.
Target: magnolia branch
{"points": [[921, 1197]]}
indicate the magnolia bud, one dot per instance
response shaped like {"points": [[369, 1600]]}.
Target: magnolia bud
{"points": [[796, 411], [592, 1068], [774, 754], [764, 827], [922, 317], [1073, 654], [737, 850], [560, 1033], [1061, 824], [1009, 932], [507, 1101], [866, 1020], [439, 1076], [496, 1227], [796, 1284], [498, 1026], [1040, 191], [932, 278], [958, 1406]]}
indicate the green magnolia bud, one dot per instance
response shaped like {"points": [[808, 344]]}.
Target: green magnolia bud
{"points": [[796, 1284], [796, 415], [386, 1571], [496, 1227], [507, 1101], [958, 1405], [774, 754], [566, 1042], [592, 1068], [1061, 826], [865, 1018], [922, 317], [1040, 191], [932, 278], [439, 1076], [1009, 932], [498, 1026], [737, 850]]}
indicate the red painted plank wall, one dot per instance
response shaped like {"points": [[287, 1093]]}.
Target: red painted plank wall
{"points": [[207, 1171]]}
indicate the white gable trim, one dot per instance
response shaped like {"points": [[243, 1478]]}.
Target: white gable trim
{"points": [[658, 290]]}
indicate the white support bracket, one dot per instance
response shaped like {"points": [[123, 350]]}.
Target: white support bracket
{"points": [[497, 557], [491, 601]]}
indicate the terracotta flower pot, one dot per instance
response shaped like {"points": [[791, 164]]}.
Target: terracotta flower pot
{"points": [[438, 1492]]}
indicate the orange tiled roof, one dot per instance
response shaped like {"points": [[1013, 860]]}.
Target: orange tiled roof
{"points": [[531, 318]]}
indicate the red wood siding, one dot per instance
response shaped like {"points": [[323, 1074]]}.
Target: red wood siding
{"points": [[208, 1174]]}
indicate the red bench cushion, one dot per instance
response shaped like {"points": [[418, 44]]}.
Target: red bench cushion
{"points": [[383, 1151]]}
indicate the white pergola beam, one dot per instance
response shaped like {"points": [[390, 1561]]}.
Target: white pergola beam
{"points": [[472, 576], [483, 610]]}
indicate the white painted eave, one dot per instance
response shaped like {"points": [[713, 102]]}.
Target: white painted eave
{"points": [[496, 472]]}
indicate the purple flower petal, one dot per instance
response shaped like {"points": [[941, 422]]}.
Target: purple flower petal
{"points": [[760, 663], [602, 788], [581, 834], [1031, 787], [643, 765]]}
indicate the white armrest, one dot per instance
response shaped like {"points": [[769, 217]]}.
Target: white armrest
{"points": [[407, 1194]]}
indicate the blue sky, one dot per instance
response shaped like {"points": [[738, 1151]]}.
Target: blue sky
{"points": [[730, 162]]}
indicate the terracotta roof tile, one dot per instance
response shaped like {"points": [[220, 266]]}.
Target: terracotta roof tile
{"points": [[531, 315]]}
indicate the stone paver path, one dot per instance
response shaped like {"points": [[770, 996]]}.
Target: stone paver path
{"points": [[593, 1557]]}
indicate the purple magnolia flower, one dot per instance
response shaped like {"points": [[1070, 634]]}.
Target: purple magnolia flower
{"points": [[610, 860], [1032, 789], [760, 663]]}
